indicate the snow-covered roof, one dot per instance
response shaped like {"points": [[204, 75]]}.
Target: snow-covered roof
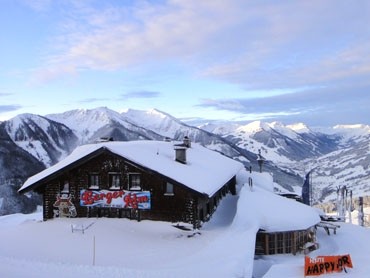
{"points": [[205, 170], [268, 211]]}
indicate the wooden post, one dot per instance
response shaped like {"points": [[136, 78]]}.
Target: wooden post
{"points": [[361, 211], [294, 245], [349, 207]]}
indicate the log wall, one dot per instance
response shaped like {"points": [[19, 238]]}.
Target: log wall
{"points": [[184, 205]]}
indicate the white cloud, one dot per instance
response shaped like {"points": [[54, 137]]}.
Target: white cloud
{"points": [[259, 45], [37, 5], [303, 43], [121, 37]]}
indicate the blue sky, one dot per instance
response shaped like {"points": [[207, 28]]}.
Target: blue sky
{"points": [[289, 61]]}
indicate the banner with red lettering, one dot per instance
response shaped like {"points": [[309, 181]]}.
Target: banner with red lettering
{"points": [[326, 264], [115, 199]]}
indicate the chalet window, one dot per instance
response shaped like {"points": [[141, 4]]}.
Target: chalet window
{"points": [[169, 189], [134, 181], [288, 242], [271, 242], [64, 187], [114, 180], [280, 244], [94, 181]]}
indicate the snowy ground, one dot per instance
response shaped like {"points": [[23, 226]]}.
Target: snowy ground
{"points": [[123, 248], [224, 247]]}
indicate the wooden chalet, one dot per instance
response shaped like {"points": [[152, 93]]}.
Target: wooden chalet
{"points": [[283, 225], [137, 180], [292, 231]]}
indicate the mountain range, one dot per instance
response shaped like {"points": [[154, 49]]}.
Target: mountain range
{"points": [[337, 156]]}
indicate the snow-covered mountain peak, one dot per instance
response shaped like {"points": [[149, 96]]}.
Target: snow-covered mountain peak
{"points": [[99, 113], [276, 125], [254, 127], [350, 130], [219, 128], [45, 139], [284, 130], [85, 122], [299, 128], [259, 126], [26, 117], [355, 126], [155, 120], [20, 121], [348, 133], [356, 130], [158, 113], [152, 115]]}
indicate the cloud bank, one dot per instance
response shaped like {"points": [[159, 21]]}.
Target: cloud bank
{"points": [[318, 50], [9, 108]]}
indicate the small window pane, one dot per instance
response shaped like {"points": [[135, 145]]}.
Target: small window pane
{"points": [[169, 189], [134, 182], [94, 181], [114, 181]]}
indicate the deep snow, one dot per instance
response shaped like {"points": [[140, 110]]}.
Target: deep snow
{"points": [[223, 247]]}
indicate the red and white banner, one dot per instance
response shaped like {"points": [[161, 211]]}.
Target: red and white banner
{"points": [[326, 264], [116, 199]]}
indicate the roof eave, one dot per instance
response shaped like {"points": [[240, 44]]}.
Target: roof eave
{"points": [[55, 174]]}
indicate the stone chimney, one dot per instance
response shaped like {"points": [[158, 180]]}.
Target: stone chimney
{"points": [[180, 152]]}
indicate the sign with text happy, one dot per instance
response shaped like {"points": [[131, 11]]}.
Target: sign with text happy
{"points": [[326, 264]]}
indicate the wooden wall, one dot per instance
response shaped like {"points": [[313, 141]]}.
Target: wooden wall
{"points": [[283, 242], [185, 205]]}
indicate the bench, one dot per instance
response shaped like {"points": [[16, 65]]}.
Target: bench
{"points": [[327, 226]]}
